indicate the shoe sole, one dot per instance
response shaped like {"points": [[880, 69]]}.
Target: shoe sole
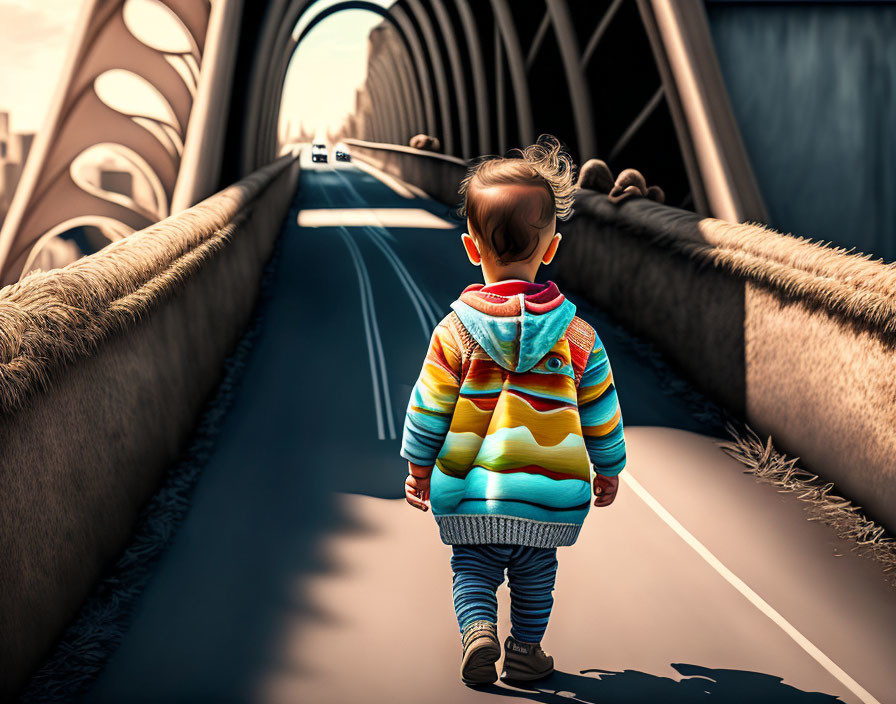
{"points": [[527, 675], [479, 665], [524, 676]]}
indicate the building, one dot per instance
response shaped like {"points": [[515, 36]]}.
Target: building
{"points": [[14, 150]]}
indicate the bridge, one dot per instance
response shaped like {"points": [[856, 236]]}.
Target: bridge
{"points": [[200, 421]]}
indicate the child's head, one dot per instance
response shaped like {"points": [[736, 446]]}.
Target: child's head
{"points": [[512, 207]]}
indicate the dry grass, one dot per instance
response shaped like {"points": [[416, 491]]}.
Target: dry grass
{"points": [[853, 285], [764, 462], [855, 269], [50, 319]]}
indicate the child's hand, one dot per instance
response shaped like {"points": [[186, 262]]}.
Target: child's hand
{"points": [[605, 489], [416, 491]]}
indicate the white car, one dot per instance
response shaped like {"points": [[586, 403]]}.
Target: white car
{"points": [[319, 152]]}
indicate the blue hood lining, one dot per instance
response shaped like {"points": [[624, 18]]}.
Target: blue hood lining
{"points": [[516, 342]]}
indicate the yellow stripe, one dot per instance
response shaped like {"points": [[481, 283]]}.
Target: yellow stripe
{"points": [[589, 393]]}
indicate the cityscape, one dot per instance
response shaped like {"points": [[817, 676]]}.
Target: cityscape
{"points": [[14, 150], [100, 168]]}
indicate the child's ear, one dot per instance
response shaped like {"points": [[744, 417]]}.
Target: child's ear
{"points": [[552, 249], [472, 250]]}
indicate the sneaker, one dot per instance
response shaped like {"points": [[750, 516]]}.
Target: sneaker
{"points": [[481, 652], [525, 661]]}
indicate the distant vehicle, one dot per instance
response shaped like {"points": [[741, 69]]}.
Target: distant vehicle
{"points": [[319, 152], [342, 153]]}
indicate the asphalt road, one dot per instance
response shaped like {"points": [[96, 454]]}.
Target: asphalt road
{"points": [[301, 575]]}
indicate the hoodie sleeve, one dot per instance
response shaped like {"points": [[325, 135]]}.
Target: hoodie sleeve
{"points": [[433, 398], [600, 413]]}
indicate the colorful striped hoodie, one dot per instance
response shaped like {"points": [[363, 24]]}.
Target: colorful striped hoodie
{"points": [[496, 409]]}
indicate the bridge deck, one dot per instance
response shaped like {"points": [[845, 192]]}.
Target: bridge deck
{"points": [[300, 575]]}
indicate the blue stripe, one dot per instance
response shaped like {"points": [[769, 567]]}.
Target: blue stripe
{"points": [[479, 571], [492, 492]]}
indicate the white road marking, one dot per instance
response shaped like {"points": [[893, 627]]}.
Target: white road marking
{"points": [[375, 354], [425, 311], [428, 319], [374, 342], [384, 217], [746, 591], [364, 216]]}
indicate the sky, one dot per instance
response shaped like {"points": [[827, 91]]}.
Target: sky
{"points": [[320, 85], [34, 36]]}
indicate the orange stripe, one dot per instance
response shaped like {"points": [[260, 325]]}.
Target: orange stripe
{"points": [[428, 412]]}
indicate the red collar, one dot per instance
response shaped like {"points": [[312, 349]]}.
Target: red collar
{"points": [[502, 297]]}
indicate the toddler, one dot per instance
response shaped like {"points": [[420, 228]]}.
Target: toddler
{"points": [[514, 403]]}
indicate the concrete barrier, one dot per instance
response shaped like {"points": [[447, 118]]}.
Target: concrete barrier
{"points": [[104, 367], [796, 337], [437, 174]]}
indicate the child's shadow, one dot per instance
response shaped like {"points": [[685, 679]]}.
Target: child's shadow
{"points": [[700, 684]]}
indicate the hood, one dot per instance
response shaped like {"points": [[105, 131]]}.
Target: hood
{"points": [[515, 322]]}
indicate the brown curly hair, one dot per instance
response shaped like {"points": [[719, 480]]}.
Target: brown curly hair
{"points": [[502, 223]]}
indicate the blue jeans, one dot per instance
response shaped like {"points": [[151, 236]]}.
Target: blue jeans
{"points": [[479, 571]]}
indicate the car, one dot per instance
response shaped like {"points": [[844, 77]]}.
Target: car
{"points": [[342, 153], [319, 152]]}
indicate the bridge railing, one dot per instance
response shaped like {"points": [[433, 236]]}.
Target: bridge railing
{"points": [[437, 174], [794, 336], [104, 367]]}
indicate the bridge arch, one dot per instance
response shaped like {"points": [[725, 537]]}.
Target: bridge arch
{"points": [[276, 50], [438, 68], [608, 78], [236, 55], [404, 30]]}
